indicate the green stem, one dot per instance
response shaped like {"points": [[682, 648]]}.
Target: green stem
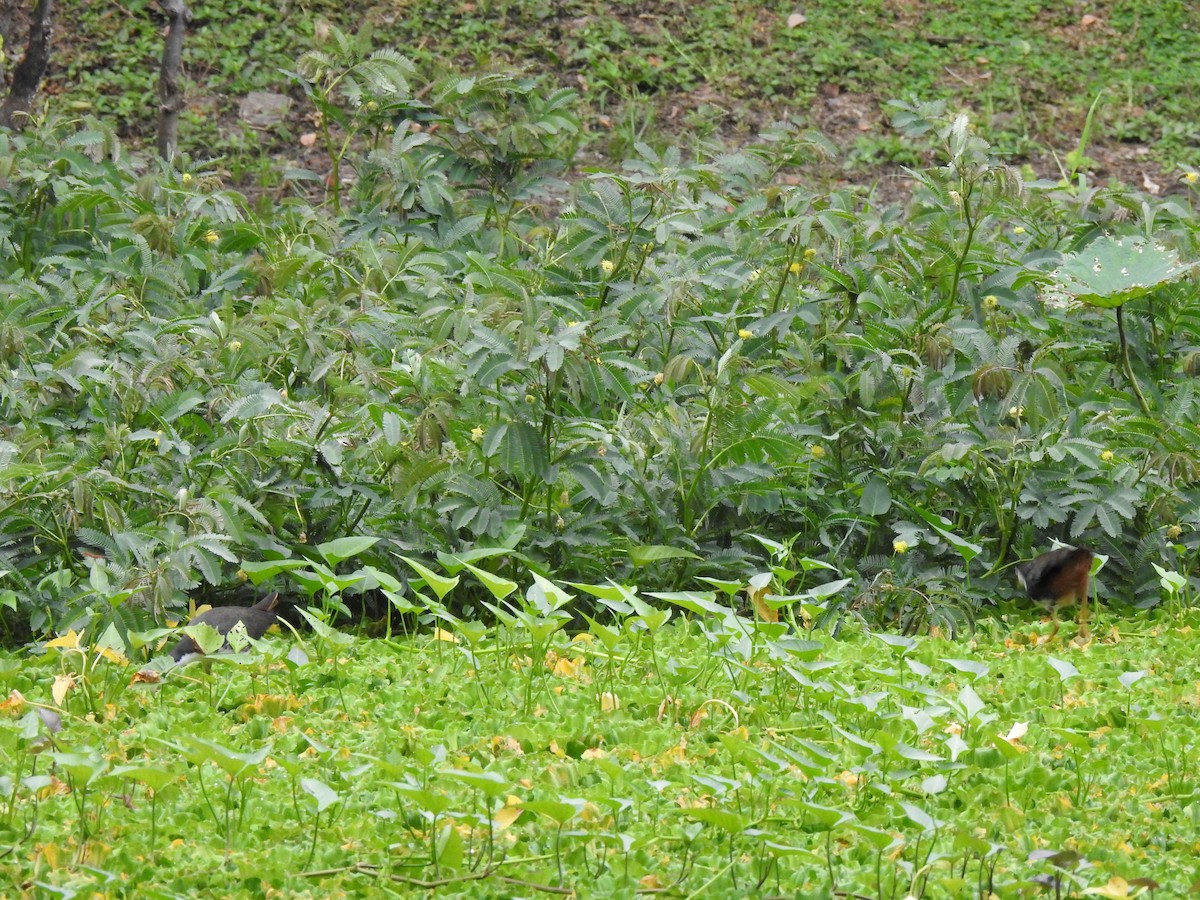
{"points": [[1133, 382]]}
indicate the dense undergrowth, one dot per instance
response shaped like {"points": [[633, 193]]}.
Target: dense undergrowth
{"points": [[664, 367], [450, 383]]}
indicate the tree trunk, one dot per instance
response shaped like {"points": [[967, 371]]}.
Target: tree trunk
{"points": [[27, 76], [170, 93]]}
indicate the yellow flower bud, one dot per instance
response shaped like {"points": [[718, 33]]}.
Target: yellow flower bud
{"points": [[212, 237], [1018, 230], [810, 253], [477, 434], [817, 451], [745, 334], [795, 268], [900, 546], [1106, 456]]}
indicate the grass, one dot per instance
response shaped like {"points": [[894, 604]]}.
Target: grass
{"points": [[709, 754], [1028, 72]]}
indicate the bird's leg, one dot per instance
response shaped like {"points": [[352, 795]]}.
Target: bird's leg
{"points": [[1054, 625], [1085, 634]]}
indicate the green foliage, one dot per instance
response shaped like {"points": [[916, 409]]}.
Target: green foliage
{"points": [[712, 753], [1111, 271], [474, 355]]}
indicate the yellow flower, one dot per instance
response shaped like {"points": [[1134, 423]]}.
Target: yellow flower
{"points": [[900, 546], [477, 433], [1106, 456], [1190, 177], [186, 179], [1173, 532], [991, 301], [529, 398], [745, 334], [817, 451], [572, 324], [1018, 230], [795, 268], [754, 274], [1015, 412], [658, 378], [607, 266], [212, 237], [810, 253], [235, 346]]}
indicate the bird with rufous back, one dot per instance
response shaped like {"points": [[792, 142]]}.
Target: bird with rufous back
{"points": [[1060, 579]]}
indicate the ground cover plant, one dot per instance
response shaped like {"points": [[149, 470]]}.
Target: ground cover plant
{"points": [[448, 383], [1028, 71], [648, 752]]}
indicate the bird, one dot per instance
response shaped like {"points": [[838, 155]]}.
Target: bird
{"points": [[257, 619], [1060, 577]]}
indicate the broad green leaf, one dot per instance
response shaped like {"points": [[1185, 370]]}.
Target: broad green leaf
{"points": [[439, 583], [1065, 670], [876, 498], [645, 554], [319, 791], [343, 548], [498, 587], [1113, 270]]}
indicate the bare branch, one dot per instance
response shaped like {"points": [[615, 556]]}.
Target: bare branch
{"points": [[170, 92]]}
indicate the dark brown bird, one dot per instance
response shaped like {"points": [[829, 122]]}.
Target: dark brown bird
{"points": [[1059, 578], [257, 619]]}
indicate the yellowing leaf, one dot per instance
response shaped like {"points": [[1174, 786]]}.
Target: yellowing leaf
{"points": [[609, 702], [442, 635], [68, 641], [1117, 887], [569, 668], [14, 703], [113, 656], [506, 816], [62, 684], [761, 609]]}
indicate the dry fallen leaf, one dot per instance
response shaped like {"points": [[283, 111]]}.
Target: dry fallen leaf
{"points": [[308, 139], [1089, 20], [795, 20]]}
